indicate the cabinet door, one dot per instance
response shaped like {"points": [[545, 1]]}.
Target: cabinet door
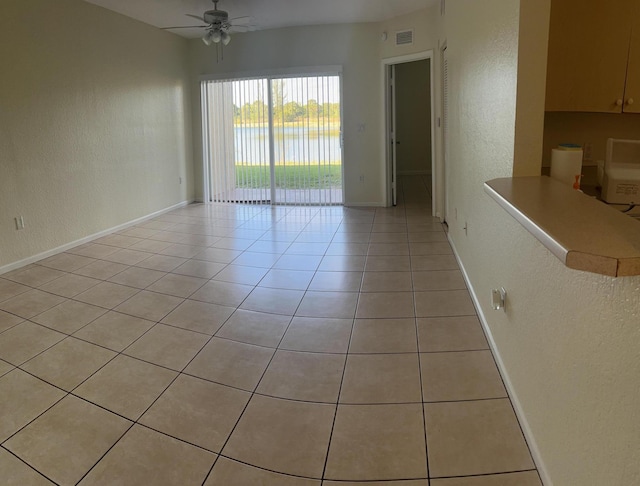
{"points": [[632, 90], [588, 49]]}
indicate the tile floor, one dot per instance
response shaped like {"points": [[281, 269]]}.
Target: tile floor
{"points": [[241, 345]]}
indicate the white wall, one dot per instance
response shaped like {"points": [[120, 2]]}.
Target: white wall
{"points": [[569, 340], [359, 49], [423, 23], [426, 28], [94, 123], [353, 46]]}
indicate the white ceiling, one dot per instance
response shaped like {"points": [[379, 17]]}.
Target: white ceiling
{"points": [[264, 14]]}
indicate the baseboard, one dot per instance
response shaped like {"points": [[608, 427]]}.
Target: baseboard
{"points": [[87, 239], [526, 429]]}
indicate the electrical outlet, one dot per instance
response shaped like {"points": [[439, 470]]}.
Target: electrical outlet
{"points": [[19, 222]]}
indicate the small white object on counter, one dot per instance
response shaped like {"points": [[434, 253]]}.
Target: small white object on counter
{"points": [[566, 165]]}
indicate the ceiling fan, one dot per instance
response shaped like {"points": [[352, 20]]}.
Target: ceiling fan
{"points": [[218, 25]]}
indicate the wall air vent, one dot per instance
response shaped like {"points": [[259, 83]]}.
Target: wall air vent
{"points": [[404, 37]]}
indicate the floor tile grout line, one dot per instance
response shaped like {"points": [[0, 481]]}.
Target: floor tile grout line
{"points": [[489, 474], [65, 394], [106, 452], [71, 393], [136, 421], [269, 470], [415, 322], [335, 414], [27, 464], [130, 266], [253, 392], [424, 418]]}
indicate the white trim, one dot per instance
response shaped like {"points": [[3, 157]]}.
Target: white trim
{"points": [[432, 83], [341, 82], [274, 73], [418, 56], [87, 239], [206, 144], [524, 424], [439, 189]]}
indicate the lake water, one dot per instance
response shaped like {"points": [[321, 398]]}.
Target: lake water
{"points": [[292, 145]]}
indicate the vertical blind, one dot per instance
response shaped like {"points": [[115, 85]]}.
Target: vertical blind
{"points": [[273, 140]]}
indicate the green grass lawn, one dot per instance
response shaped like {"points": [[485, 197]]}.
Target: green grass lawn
{"points": [[290, 176]]}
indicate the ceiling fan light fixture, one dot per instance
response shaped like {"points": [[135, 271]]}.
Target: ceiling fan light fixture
{"points": [[208, 38], [216, 35], [226, 38]]}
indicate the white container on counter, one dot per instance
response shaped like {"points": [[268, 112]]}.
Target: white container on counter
{"points": [[566, 164]]}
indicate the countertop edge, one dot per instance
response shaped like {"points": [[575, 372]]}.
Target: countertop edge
{"points": [[524, 200], [546, 239]]}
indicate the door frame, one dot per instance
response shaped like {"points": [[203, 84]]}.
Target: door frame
{"points": [[387, 117], [441, 174]]}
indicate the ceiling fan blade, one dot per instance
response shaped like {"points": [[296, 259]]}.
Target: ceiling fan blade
{"points": [[186, 27], [240, 28], [197, 17], [244, 28], [240, 18]]}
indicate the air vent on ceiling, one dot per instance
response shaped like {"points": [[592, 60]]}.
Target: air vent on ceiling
{"points": [[404, 37]]}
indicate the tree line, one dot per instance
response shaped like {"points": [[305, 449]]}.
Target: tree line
{"points": [[288, 112]]}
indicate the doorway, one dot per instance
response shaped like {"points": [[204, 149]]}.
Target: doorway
{"points": [[273, 140], [409, 120]]}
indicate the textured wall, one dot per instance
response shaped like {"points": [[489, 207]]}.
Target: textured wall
{"points": [[94, 123], [569, 341], [423, 24]]}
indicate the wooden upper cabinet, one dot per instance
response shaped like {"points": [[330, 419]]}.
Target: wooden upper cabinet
{"points": [[588, 55], [632, 88]]}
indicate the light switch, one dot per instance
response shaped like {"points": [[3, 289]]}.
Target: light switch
{"points": [[498, 299]]}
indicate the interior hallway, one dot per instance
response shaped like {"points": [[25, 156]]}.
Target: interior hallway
{"points": [[240, 344]]}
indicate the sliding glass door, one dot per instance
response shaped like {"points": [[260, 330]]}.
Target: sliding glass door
{"points": [[273, 140]]}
